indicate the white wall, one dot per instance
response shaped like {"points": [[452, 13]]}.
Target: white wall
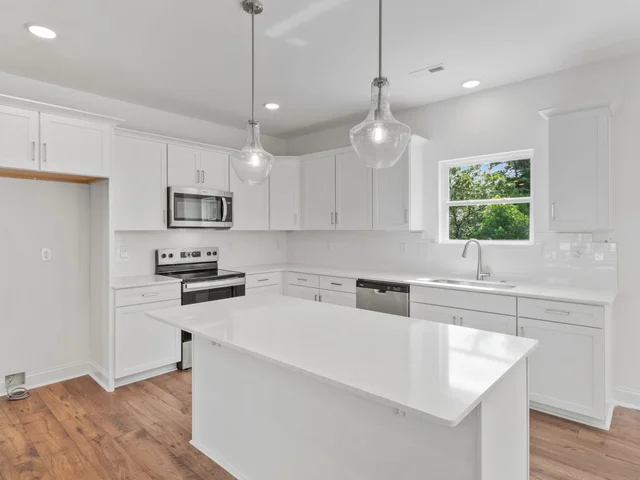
{"points": [[135, 117], [506, 119], [44, 306], [237, 249]]}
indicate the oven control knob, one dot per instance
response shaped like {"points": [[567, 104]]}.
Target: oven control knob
{"points": [[164, 255], [171, 255], [209, 254]]}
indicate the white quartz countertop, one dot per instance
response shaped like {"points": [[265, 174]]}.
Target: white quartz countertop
{"points": [[118, 283], [546, 292], [440, 372]]}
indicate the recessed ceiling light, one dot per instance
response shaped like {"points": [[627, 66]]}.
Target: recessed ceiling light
{"points": [[471, 84], [271, 106], [42, 32]]}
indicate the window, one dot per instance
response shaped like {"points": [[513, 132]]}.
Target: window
{"points": [[487, 198]]}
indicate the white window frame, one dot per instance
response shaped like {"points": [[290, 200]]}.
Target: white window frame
{"points": [[444, 203]]}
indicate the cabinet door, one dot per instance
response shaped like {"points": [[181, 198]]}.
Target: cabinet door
{"points": [[391, 196], [490, 322], [214, 170], [250, 205], [305, 293], [338, 298], [268, 289], [354, 193], [567, 369], [285, 200], [74, 146], [318, 184], [143, 343], [139, 182], [579, 171], [19, 145], [183, 166], [433, 313]]}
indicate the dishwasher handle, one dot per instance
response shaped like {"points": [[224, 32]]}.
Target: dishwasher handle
{"points": [[380, 287]]}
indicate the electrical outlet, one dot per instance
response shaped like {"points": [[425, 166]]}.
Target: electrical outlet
{"points": [[123, 253], [45, 254]]}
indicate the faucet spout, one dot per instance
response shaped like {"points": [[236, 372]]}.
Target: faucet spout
{"points": [[480, 273]]}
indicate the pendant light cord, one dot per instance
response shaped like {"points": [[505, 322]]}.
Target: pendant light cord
{"points": [[253, 65], [380, 40]]}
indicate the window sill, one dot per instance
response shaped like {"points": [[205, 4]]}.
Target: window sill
{"points": [[504, 243]]}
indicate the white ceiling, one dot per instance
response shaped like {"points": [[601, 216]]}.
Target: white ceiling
{"points": [[315, 57]]}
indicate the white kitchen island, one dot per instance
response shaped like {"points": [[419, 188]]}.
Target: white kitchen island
{"points": [[287, 389]]}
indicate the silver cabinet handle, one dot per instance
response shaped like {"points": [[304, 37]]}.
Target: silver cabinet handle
{"points": [[33, 151], [455, 320], [522, 331], [302, 279], [460, 321], [202, 173], [197, 176], [332, 218], [263, 280], [336, 218], [553, 212], [557, 312], [336, 284], [320, 298], [406, 215], [150, 294], [44, 152], [164, 217], [315, 297]]}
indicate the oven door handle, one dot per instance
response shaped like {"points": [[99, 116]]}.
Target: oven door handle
{"points": [[224, 209], [195, 287]]}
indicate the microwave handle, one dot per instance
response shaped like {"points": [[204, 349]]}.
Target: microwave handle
{"points": [[224, 209]]}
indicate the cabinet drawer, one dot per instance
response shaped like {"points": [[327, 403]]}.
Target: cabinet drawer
{"points": [[481, 302], [264, 279], [338, 284], [302, 279], [571, 313], [140, 295]]}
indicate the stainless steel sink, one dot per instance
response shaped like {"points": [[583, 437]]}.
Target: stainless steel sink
{"points": [[467, 283]]}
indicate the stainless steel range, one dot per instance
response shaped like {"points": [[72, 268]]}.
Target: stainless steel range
{"points": [[202, 281]]}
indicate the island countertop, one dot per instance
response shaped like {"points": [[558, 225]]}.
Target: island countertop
{"points": [[440, 372]]}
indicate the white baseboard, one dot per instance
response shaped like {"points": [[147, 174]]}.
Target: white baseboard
{"points": [[120, 382], [626, 398], [100, 376], [219, 460], [575, 417], [53, 375]]}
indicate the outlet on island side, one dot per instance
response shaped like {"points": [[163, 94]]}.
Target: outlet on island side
{"points": [[45, 254]]}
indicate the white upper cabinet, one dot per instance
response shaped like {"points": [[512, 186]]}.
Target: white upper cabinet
{"points": [[214, 168], [139, 179], [193, 167], [579, 171], [74, 146], [19, 145], [354, 202], [398, 192], [250, 204], [285, 194], [318, 184], [183, 166]]}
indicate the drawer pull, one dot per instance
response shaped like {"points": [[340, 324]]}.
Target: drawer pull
{"points": [[150, 294], [557, 312], [336, 284], [302, 279], [263, 280]]}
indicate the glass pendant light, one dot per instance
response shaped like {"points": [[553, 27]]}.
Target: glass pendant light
{"points": [[252, 164], [380, 140]]}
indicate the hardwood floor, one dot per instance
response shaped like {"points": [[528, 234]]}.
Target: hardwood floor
{"points": [[75, 430]]}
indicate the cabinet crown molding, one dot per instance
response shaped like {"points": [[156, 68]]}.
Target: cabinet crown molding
{"points": [[553, 111], [154, 137], [42, 107]]}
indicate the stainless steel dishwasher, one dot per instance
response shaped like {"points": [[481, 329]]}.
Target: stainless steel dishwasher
{"points": [[383, 297]]}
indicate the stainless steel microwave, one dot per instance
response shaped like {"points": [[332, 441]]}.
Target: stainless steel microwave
{"points": [[196, 208]]}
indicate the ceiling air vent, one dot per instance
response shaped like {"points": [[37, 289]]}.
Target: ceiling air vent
{"points": [[425, 70]]}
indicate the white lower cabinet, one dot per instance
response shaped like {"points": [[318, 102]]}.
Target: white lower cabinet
{"points": [[339, 294], [491, 322], [142, 343], [337, 298], [567, 371], [277, 289], [305, 293]]}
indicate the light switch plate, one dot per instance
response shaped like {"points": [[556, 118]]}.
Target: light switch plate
{"points": [[45, 254]]}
